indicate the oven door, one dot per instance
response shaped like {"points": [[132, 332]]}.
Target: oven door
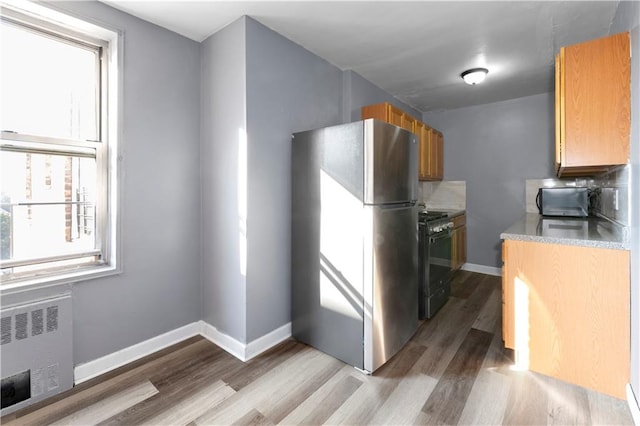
{"points": [[439, 261]]}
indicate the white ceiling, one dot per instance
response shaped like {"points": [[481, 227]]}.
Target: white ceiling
{"points": [[414, 50]]}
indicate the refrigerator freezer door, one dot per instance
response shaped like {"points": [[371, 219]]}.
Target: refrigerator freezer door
{"points": [[390, 164], [391, 282]]}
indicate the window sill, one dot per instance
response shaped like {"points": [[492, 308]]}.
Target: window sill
{"points": [[34, 283]]}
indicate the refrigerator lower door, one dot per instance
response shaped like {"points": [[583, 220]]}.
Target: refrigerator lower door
{"points": [[391, 282], [327, 250]]}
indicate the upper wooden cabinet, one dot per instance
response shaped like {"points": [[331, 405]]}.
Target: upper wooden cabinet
{"points": [[430, 141], [431, 149], [430, 152], [593, 107], [389, 114]]}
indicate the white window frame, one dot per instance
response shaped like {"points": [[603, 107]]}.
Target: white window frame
{"points": [[80, 31]]}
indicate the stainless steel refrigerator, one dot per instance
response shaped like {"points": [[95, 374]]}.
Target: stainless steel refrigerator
{"points": [[355, 241]]}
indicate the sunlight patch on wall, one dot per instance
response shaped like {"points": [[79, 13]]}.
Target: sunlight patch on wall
{"points": [[242, 200]]}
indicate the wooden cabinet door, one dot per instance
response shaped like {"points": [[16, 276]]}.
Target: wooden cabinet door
{"points": [[508, 301], [594, 89], [433, 163], [395, 116], [566, 312], [559, 109], [459, 242], [408, 122], [439, 156], [423, 150], [430, 149], [463, 245], [455, 248]]}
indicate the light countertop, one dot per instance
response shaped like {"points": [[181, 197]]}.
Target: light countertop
{"points": [[588, 232], [449, 212]]}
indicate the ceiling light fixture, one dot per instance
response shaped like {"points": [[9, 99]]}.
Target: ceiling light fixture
{"points": [[474, 75]]}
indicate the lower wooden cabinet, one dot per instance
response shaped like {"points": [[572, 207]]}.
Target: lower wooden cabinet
{"points": [[459, 242], [566, 312]]}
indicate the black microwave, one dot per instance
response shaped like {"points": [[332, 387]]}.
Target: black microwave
{"points": [[563, 201]]}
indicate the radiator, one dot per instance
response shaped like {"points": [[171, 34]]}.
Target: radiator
{"points": [[36, 351]]}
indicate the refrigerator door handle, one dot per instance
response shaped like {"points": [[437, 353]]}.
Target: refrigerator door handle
{"points": [[395, 206]]}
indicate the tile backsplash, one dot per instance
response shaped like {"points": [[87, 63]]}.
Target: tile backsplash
{"points": [[443, 195], [614, 196]]}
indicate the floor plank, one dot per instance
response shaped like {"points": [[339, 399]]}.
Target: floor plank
{"points": [[490, 312], [253, 418], [106, 408], [446, 402], [527, 403], [607, 410], [327, 399], [189, 409], [566, 403], [405, 401], [463, 284]]}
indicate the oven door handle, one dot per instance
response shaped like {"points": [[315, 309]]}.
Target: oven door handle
{"points": [[440, 235]]}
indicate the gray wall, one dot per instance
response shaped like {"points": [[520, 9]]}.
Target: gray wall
{"points": [[289, 89], [159, 288], [628, 18], [223, 164], [359, 92], [495, 148]]}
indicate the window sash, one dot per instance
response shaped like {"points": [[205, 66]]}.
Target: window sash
{"points": [[82, 41], [68, 150]]}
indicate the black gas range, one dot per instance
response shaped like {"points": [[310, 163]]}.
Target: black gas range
{"points": [[434, 266]]}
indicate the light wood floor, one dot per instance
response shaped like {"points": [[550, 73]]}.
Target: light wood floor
{"points": [[453, 371]]}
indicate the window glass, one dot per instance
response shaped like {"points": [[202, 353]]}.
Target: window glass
{"points": [[48, 205], [49, 87]]}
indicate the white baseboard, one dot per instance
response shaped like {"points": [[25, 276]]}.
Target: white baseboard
{"points": [[489, 270], [242, 351], [267, 341], [632, 401], [226, 342], [91, 369]]}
